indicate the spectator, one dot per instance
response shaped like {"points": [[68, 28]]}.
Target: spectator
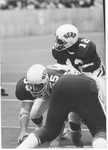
{"points": [[3, 4], [33, 4], [18, 5], [86, 3]]}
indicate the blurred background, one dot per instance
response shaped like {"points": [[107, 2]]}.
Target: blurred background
{"points": [[46, 4], [41, 17], [27, 29]]}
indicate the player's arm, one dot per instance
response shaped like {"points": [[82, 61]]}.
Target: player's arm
{"points": [[23, 95], [78, 64], [59, 57], [25, 98], [24, 120], [24, 115], [93, 56], [59, 67]]}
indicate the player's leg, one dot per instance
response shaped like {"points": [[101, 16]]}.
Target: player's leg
{"points": [[87, 104], [56, 142], [81, 93], [38, 121], [94, 117], [65, 131], [38, 109], [55, 119], [101, 86], [99, 140], [75, 129]]}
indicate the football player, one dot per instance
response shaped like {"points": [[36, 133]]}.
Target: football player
{"points": [[83, 56], [77, 93], [34, 91], [80, 51]]}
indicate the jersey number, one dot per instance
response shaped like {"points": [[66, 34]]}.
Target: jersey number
{"points": [[53, 79], [85, 43], [27, 87]]}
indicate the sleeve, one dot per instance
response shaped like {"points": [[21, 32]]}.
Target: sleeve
{"points": [[59, 57], [18, 91], [21, 93], [92, 58]]}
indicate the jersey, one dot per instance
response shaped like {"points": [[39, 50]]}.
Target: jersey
{"points": [[82, 53], [54, 72], [73, 93]]}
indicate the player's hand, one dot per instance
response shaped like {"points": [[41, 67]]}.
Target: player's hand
{"points": [[22, 137]]}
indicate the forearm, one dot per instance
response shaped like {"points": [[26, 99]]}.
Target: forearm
{"points": [[90, 67], [24, 124], [24, 119]]}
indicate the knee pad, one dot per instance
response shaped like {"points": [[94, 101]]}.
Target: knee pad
{"points": [[74, 126], [38, 120]]}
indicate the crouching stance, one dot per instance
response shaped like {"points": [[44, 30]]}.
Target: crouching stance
{"points": [[77, 93], [34, 92]]}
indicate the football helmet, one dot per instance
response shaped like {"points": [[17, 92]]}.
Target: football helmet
{"points": [[37, 78], [66, 36]]}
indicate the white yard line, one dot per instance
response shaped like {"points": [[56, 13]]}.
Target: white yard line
{"points": [[10, 100], [15, 100], [17, 127], [71, 146], [9, 83]]}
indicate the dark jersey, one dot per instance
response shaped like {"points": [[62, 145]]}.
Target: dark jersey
{"points": [[81, 53], [22, 91], [73, 93]]}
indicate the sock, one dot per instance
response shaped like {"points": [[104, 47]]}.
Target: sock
{"points": [[30, 142]]}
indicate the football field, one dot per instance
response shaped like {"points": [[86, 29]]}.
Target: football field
{"points": [[17, 55]]}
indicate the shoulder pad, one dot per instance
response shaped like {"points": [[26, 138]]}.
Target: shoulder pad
{"points": [[21, 91]]}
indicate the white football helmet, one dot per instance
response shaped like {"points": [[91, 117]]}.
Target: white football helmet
{"points": [[66, 36], [37, 78]]}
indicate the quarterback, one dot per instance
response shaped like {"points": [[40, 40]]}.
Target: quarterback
{"points": [[77, 93], [80, 51]]}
